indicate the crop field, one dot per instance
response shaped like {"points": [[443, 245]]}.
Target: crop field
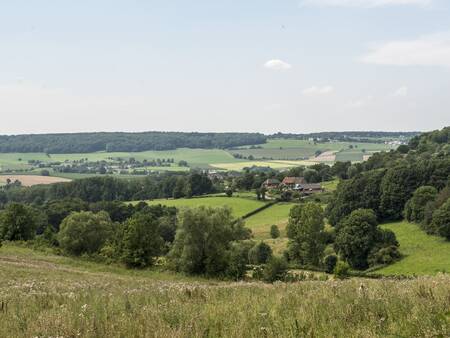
{"points": [[288, 149], [44, 295], [239, 205], [424, 254], [271, 164], [30, 180]]}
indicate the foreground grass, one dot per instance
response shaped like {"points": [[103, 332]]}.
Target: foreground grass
{"points": [[45, 295], [423, 254]]}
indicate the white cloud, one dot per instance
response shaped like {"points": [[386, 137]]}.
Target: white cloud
{"points": [[318, 90], [401, 92], [277, 65], [431, 50], [361, 102], [364, 3]]}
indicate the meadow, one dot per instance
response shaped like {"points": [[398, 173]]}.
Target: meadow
{"points": [[44, 295], [423, 254]]}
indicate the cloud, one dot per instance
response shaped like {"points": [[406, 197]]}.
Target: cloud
{"points": [[277, 65], [364, 3], [361, 102], [318, 90], [401, 92], [431, 50]]}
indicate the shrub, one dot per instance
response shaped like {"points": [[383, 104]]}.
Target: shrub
{"points": [[275, 269], [341, 270], [330, 263], [415, 207], [386, 255], [19, 222], [260, 253], [238, 260], [441, 220], [84, 232], [274, 231]]}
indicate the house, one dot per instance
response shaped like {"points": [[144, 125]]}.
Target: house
{"points": [[311, 188], [271, 183], [293, 183]]}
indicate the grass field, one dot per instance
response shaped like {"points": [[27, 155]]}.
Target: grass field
{"points": [[239, 205], [52, 296], [424, 254], [262, 221]]}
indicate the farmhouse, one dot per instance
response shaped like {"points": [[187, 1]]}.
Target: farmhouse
{"points": [[310, 188], [292, 183], [271, 183]]}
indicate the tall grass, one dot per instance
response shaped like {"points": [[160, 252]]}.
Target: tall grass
{"points": [[41, 296]]}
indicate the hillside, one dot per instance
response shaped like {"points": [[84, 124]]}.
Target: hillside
{"points": [[423, 254], [45, 295]]}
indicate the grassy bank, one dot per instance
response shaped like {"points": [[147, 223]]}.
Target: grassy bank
{"points": [[46, 295], [423, 254]]}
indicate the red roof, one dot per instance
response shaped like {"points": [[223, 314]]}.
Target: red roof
{"points": [[293, 180]]}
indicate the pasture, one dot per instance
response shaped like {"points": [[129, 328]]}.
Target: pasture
{"points": [[240, 206], [261, 222], [44, 295], [423, 254]]}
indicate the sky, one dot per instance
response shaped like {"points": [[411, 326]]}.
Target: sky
{"points": [[230, 65]]}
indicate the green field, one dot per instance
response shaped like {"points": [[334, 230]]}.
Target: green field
{"points": [[261, 222], [424, 254], [288, 149], [239, 205], [44, 295]]}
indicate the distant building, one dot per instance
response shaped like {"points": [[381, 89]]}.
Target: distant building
{"points": [[293, 183], [271, 183], [311, 188]]}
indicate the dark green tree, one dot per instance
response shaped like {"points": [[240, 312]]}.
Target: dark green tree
{"points": [[441, 220], [85, 232], [260, 253], [18, 222], [415, 207], [305, 230]]}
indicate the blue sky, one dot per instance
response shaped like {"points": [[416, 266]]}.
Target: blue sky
{"points": [[268, 66]]}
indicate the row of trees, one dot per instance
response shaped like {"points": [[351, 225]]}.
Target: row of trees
{"points": [[94, 189], [126, 142]]}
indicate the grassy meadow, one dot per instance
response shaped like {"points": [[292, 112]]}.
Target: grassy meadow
{"points": [[240, 205], [44, 295], [423, 254]]}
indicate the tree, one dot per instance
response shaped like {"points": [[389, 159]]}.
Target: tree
{"points": [[441, 220], [330, 263], [18, 222], [141, 241], [358, 236], [275, 269], [415, 207], [179, 190], [260, 253], [203, 240], [274, 231], [85, 232], [305, 230], [229, 192]]}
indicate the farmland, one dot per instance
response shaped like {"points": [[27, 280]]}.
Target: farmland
{"points": [[276, 153], [44, 295], [30, 180]]}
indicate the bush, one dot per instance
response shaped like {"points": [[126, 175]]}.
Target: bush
{"points": [[274, 231], [276, 269], [260, 253], [386, 255], [415, 207], [341, 270], [84, 232], [238, 260], [330, 263], [441, 220], [19, 222]]}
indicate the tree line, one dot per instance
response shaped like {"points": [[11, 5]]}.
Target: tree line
{"points": [[123, 142]]}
